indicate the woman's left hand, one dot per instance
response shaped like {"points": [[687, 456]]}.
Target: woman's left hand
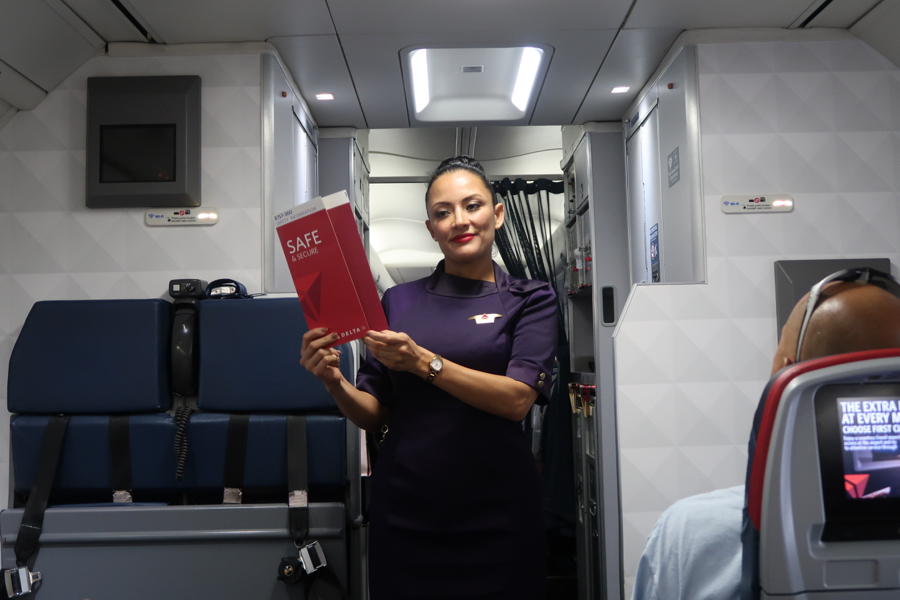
{"points": [[397, 351]]}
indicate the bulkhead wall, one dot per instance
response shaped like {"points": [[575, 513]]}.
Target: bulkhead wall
{"points": [[53, 248], [818, 120]]}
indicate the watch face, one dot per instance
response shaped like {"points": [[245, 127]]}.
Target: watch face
{"points": [[436, 363]]}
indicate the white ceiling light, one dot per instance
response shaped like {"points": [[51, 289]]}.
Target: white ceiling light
{"points": [[531, 59], [620, 89], [419, 63], [324, 96], [475, 86]]}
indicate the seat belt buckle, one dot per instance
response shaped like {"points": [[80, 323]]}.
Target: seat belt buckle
{"points": [[20, 581], [312, 557]]}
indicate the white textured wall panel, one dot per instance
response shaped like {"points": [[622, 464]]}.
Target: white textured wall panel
{"points": [[818, 121], [52, 247]]}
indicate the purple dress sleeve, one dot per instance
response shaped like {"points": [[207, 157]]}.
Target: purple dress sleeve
{"points": [[535, 337], [530, 305]]}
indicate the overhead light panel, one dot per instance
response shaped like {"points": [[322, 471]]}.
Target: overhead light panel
{"points": [[419, 63], [324, 96], [473, 85], [620, 89], [528, 66]]}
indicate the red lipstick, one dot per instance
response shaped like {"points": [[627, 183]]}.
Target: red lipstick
{"points": [[463, 238]]}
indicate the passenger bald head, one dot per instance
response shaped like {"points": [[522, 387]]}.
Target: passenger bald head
{"points": [[850, 317]]}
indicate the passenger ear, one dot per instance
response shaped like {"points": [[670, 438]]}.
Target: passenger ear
{"points": [[430, 230]]}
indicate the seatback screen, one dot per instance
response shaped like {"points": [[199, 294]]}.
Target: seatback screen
{"points": [[858, 431], [870, 440]]}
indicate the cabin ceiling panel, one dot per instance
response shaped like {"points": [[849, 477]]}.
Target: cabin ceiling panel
{"points": [[374, 61], [520, 151], [38, 43], [576, 57], [104, 18], [375, 68], [879, 30], [190, 21], [317, 65], [634, 57], [702, 14], [495, 143], [467, 16], [843, 13], [408, 152]]}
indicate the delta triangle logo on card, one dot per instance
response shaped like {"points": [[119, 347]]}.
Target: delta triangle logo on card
{"points": [[484, 318], [309, 289]]}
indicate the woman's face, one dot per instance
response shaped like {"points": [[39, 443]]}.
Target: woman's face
{"points": [[462, 217]]}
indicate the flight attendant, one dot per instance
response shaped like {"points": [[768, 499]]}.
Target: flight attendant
{"points": [[456, 506]]}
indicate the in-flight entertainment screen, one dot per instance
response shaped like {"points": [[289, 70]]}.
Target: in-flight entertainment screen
{"points": [[870, 443], [858, 430]]}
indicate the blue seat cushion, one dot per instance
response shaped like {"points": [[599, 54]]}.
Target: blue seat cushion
{"points": [[92, 356], [250, 358], [266, 462], [84, 466]]}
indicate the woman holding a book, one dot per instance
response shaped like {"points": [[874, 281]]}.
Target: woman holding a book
{"points": [[456, 507]]}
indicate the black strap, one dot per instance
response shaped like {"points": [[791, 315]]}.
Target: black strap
{"points": [[298, 479], [33, 516], [317, 587], [322, 583], [236, 451], [120, 453]]}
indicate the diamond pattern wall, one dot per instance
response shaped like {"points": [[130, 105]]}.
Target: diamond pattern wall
{"points": [[819, 121], [52, 247]]}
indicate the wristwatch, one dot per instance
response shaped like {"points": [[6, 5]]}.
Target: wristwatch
{"points": [[434, 367]]}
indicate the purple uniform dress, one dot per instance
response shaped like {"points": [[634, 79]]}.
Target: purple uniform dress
{"points": [[456, 507]]}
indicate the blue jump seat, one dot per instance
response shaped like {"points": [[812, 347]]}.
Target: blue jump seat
{"points": [[111, 361]]}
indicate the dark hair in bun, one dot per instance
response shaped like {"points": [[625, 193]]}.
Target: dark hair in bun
{"points": [[461, 163]]}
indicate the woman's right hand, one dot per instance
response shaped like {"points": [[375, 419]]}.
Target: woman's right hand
{"points": [[322, 362]]}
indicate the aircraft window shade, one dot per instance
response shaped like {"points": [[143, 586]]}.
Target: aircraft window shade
{"points": [[858, 431], [92, 357]]}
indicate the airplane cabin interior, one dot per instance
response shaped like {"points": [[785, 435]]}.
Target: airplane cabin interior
{"points": [[679, 172]]}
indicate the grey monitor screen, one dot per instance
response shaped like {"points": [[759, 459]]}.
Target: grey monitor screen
{"points": [[143, 142], [137, 153]]}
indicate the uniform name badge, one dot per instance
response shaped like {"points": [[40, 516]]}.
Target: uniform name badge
{"points": [[485, 318]]}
